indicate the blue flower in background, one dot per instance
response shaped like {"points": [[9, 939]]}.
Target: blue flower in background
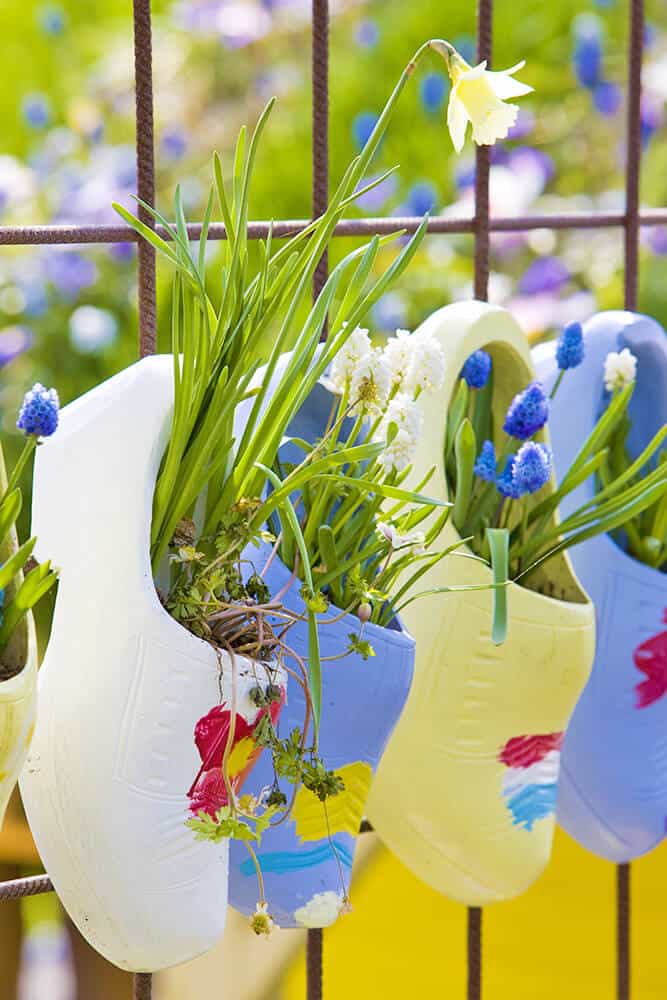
{"points": [[122, 251], [607, 98], [505, 482], [570, 347], [36, 110], [587, 56], [38, 415], [173, 144], [528, 412], [651, 118], [432, 90], [546, 274], [477, 369], [466, 46], [70, 272], [532, 468], [390, 312], [523, 126], [485, 466], [92, 329], [362, 126], [658, 239], [464, 176], [367, 33], [51, 19], [422, 198]]}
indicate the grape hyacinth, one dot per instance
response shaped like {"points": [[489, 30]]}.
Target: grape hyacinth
{"points": [[505, 481], [528, 412], [532, 468], [38, 415], [620, 368], [570, 347], [477, 369], [485, 466]]}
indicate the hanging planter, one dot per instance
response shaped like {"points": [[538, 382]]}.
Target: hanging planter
{"points": [[465, 793], [306, 860], [135, 709], [613, 791]]}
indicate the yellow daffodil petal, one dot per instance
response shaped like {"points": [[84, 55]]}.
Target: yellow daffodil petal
{"points": [[475, 72], [505, 87], [457, 119], [495, 124]]}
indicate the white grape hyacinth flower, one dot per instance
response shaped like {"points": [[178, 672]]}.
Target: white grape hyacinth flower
{"points": [[620, 368], [406, 416], [427, 369], [414, 541], [478, 96], [355, 351], [398, 356], [370, 384]]}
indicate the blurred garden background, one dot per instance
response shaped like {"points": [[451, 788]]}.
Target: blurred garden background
{"points": [[68, 316]]}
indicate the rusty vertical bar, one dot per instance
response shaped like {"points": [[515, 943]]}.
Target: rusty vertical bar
{"points": [[633, 151], [143, 986], [482, 241], [320, 78], [320, 200], [632, 171], [314, 977], [143, 70], [482, 164]]}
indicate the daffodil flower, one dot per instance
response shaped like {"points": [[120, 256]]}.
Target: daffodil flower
{"points": [[478, 96]]}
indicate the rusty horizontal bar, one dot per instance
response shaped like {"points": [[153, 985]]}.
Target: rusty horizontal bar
{"points": [[62, 235], [19, 887]]}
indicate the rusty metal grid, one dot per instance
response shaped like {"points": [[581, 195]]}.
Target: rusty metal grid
{"points": [[480, 225]]}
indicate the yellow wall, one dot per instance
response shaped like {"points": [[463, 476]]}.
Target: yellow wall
{"points": [[404, 940]]}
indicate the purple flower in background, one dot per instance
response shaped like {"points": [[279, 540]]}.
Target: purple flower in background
{"points": [[570, 347], [422, 198], [526, 160], [367, 33], [528, 412], [36, 110], [477, 369], [485, 466], [505, 482], [390, 312], [122, 251], [587, 56], [377, 197], [464, 176], [362, 127], [34, 294], [607, 98], [14, 341], [532, 468], [70, 272], [546, 274], [51, 19], [651, 117], [433, 90], [38, 415], [523, 126], [173, 143], [650, 35], [658, 239]]}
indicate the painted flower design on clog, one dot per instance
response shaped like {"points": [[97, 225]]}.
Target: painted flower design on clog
{"points": [[208, 793], [651, 659], [530, 782]]}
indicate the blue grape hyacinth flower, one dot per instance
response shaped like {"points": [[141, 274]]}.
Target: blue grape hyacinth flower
{"points": [[38, 415], [485, 466], [532, 467], [505, 482], [528, 412], [570, 347], [477, 369]]}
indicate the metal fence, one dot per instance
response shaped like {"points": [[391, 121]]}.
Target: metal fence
{"points": [[481, 225]]}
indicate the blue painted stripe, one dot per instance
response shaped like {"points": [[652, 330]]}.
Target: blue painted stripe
{"points": [[531, 803], [293, 861]]}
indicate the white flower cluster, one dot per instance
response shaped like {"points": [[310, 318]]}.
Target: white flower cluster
{"points": [[386, 385], [620, 368]]}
